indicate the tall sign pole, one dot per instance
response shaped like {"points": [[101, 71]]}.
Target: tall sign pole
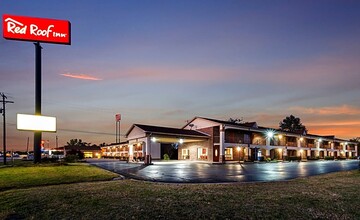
{"points": [[37, 30], [37, 134], [117, 125]]}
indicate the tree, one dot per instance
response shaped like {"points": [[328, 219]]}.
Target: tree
{"points": [[292, 124], [235, 120], [356, 139], [77, 143]]}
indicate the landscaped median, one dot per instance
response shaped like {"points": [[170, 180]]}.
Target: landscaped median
{"points": [[26, 175], [329, 196]]}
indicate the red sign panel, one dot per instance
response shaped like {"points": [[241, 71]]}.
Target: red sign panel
{"points": [[36, 29], [118, 117]]}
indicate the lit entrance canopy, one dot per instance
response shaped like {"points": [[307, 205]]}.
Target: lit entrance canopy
{"points": [[36, 123], [165, 134]]}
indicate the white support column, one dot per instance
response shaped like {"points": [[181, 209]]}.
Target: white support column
{"points": [[147, 151], [143, 149], [222, 142], [298, 142], [267, 139], [317, 151], [267, 153], [308, 153], [131, 152]]}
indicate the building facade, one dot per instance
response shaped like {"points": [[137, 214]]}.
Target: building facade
{"points": [[217, 141]]}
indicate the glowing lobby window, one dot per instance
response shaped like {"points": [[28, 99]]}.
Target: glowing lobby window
{"points": [[88, 154], [202, 154], [229, 153], [185, 154]]}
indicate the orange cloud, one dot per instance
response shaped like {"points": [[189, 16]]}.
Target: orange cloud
{"points": [[333, 110], [345, 132], [80, 76]]}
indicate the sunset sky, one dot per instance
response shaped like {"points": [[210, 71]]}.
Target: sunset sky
{"points": [[164, 62]]}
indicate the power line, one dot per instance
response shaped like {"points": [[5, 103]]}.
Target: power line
{"points": [[78, 131]]}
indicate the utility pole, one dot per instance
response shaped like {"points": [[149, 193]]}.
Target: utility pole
{"points": [[2, 110]]}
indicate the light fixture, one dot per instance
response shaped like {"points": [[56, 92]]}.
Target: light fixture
{"points": [[153, 139], [301, 139], [238, 148], [280, 136], [320, 140], [346, 143], [270, 134], [181, 141]]}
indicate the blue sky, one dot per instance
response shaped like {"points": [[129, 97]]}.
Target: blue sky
{"points": [[164, 62]]}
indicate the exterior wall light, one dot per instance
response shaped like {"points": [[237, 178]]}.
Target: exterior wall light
{"points": [[153, 139], [181, 141], [270, 134]]}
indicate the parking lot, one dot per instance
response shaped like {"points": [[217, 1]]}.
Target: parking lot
{"points": [[197, 172]]}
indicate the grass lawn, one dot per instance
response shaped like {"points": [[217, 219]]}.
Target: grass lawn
{"points": [[330, 196], [28, 175]]}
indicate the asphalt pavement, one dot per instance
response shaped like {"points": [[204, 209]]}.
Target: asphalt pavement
{"points": [[197, 172]]}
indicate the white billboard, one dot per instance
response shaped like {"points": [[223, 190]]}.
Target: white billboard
{"points": [[36, 123]]}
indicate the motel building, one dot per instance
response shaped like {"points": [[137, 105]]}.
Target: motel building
{"points": [[217, 141]]}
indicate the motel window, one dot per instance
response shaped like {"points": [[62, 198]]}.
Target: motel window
{"points": [[247, 139], [229, 153], [185, 154], [202, 154]]}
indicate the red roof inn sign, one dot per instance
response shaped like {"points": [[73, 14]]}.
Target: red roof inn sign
{"points": [[36, 29]]}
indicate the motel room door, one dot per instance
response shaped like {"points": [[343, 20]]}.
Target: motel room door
{"points": [[216, 153]]}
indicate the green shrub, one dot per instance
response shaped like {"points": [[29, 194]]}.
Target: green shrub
{"points": [[268, 159], [312, 158], [71, 158], [341, 158], [49, 160], [329, 158], [294, 158], [166, 157]]}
